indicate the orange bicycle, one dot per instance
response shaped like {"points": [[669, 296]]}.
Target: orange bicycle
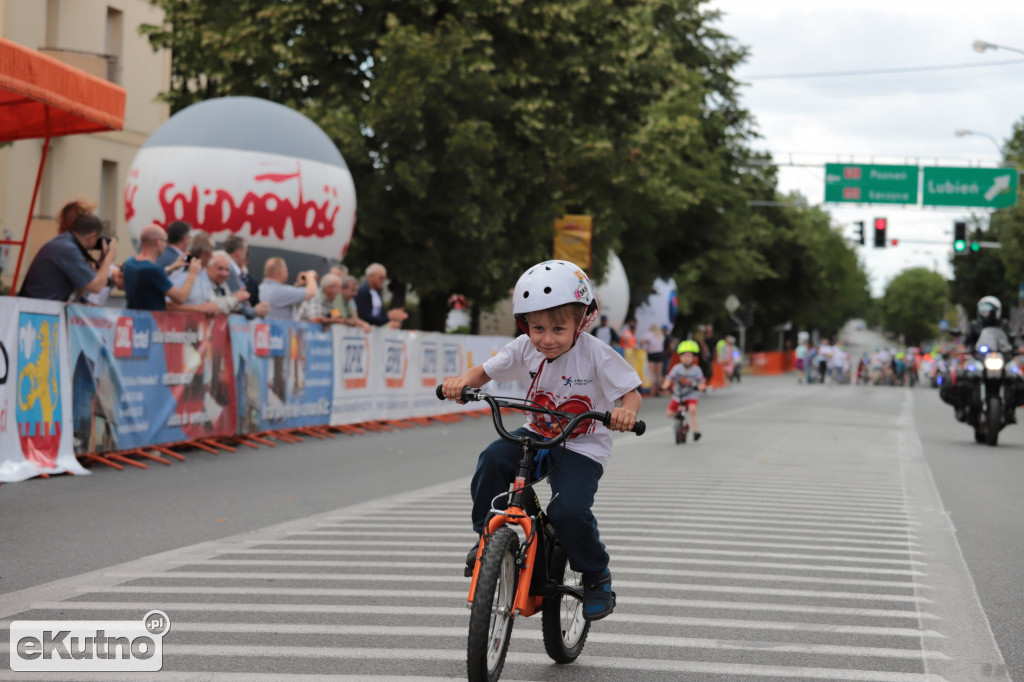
{"points": [[520, 566]]}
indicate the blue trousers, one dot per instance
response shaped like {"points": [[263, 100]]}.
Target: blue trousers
{"points": [[573, 479]]}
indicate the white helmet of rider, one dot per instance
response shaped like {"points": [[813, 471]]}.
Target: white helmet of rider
{"points": [[990, 309], [551, 284]]}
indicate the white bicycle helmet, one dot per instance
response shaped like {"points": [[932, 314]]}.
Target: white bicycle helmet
{"points": [[990, 309], [550, 284]]}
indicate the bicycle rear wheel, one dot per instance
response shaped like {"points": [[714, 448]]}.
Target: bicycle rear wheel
{"points": [[565, 629], [490, 620]]}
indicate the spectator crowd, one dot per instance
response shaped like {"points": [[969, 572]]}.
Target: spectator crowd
{"points": [[180, 269]]}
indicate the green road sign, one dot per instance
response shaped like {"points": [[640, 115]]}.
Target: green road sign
{"points": [[870, 184], [985, 187]]}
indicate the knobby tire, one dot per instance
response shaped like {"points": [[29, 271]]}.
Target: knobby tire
{"points": [[490, 620], [565, 630]]}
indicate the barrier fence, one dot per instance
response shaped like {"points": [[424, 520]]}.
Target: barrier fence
{"points": [[121, 387], [125, 386]]}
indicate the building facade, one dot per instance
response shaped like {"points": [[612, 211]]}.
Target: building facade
{"points": [[99, 37]]}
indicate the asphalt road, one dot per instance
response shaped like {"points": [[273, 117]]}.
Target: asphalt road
{"points": [[816, 532]]}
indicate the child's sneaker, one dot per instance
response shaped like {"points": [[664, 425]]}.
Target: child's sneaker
{"points": [[696, 436], [471, 560], [598, 598]]}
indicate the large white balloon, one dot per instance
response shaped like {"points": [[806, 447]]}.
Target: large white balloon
{"points": [[613, 293], [243, 165], [659, 309]]}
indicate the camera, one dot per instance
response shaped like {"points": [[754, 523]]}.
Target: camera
{"points": [[102, 243], [189, 257]]}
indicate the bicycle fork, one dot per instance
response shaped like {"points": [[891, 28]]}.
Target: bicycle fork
{"points": [[525, 604]]}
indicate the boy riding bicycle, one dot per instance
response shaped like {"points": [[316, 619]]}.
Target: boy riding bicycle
{"points": [[569, 371], [686, 381]]}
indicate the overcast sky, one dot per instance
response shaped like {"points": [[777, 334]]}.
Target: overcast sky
{"points": [[896, 118]]}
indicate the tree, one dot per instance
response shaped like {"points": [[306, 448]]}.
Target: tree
{"points": [[983, 273], [470, 126], [913, 303]]}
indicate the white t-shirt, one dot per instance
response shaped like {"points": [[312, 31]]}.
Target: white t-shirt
{"points": [[589, 376]]}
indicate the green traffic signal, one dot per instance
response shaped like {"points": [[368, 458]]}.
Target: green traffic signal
{"points": [[959, 246], [975, 246]]}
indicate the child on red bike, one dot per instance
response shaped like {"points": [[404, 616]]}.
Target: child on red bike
{"points": [[686, 381], [569, 371]]}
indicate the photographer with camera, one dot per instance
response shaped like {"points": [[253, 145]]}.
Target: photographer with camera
{"points": [[71, 264], [282, 297], [145, 283]]}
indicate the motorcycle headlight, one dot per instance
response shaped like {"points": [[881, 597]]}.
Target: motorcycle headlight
{"points": [[993, 362]]}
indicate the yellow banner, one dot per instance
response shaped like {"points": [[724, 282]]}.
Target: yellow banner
{"points": [[572, 239]]}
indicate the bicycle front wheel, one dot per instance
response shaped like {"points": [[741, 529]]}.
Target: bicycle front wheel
{"points": [[565, 629], [490, 620]]}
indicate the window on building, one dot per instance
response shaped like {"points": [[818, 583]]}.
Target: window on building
{"points": [[114, 44], [109, 194]]}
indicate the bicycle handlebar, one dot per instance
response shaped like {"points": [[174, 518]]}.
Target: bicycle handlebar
{"points": [[475, 394]]}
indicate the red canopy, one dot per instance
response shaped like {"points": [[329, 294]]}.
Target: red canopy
{"points": [[42, 97]]}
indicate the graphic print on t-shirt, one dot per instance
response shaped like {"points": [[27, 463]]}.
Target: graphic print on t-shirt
{"points": [[550, 426]]}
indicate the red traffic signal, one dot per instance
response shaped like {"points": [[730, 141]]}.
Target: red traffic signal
{"points": [[895, 242], [880, 225]]}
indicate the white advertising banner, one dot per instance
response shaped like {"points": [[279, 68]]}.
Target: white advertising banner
{"points": [[36, 424], [440, 356], [395, 364], [393, 374], [482, 347], [354, 353]]}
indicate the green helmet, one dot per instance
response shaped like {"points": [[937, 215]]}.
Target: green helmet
{"points": [[687, 347]]}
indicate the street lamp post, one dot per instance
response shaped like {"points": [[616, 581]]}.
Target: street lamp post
{"points": [[982, 45], [960, 132]]}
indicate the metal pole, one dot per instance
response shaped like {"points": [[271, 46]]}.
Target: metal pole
{"points": [[28, 221]]}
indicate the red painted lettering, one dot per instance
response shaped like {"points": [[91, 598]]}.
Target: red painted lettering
{"points": [[260, 214]]}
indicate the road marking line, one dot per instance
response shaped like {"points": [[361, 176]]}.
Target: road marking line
{"points": [[593, 662], [460, 612], [536, 635]]}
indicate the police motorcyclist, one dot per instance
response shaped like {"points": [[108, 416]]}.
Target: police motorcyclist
{"points": [[990, 311]]}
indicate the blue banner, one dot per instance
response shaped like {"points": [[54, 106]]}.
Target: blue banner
{"points": [[141, 378], [285, 373]]}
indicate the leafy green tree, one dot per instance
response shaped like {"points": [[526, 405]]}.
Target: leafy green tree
{"points": [[996, 272], [470, 126], [913, 303]]}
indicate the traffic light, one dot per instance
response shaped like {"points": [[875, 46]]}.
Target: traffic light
{"points": [[959, 236], [860, 232], [880, 225]]}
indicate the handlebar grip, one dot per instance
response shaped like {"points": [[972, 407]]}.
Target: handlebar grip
{"points": [[638, 426], [468, 394]]}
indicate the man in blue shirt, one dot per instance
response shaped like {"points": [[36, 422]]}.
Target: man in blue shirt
{"points": [[145, 283], [65, 265]]}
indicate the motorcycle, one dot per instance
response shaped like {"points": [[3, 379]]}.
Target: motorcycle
{"points": [[990, 386]]}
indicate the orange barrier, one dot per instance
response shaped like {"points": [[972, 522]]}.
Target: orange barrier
{"points": [[771, 362], [213, 446], [717, 376]]}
